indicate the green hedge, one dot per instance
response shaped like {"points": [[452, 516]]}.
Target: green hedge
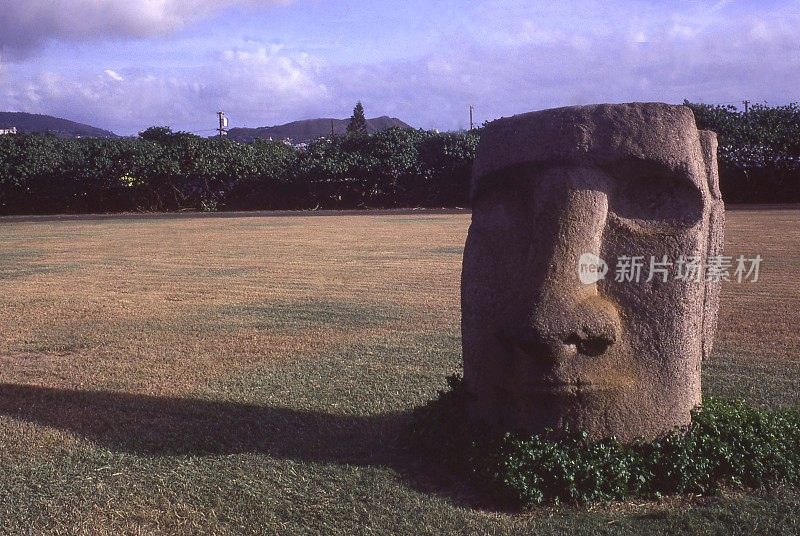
{"points": [[164, 171], [759, 151], [727, 443]]}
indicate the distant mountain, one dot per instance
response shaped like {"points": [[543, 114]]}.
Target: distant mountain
{"points": [[310, 129], [44, 124]]}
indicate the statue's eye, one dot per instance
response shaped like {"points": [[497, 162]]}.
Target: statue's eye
{"points": [[655, 202], [503, 207]]}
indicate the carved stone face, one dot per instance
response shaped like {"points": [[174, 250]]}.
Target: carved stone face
{"points": [[546, 348]]}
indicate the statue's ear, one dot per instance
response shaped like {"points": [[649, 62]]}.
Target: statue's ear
{"points": [[708, 144], [716, 238]]}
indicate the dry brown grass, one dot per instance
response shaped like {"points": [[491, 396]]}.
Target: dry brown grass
{"points": [[158, 305], [757, 353], [760, 319]]}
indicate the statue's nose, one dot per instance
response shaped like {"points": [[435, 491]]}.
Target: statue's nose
{"points": [[560, 329], [567, 315]]}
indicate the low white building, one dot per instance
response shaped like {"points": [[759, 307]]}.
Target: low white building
{"points": [[12, 130]]}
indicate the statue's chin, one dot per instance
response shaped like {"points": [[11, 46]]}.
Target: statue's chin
{"points": [[577, 406]]}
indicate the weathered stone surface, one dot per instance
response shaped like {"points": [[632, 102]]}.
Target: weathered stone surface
{"points": [[542, 349]]}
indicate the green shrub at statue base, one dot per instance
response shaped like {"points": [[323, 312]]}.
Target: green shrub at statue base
{"points": [[728, 444]]}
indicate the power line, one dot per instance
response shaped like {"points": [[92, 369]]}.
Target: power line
{"points": [[223, 124]]}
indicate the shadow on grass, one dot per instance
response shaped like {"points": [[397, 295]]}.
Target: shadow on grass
{"points": [[164, 426]]}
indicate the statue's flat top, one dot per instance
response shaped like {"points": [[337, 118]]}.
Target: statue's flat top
{"points": [[595, 134]]}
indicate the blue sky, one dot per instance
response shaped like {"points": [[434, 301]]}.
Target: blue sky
{"points": [[127, 64]]}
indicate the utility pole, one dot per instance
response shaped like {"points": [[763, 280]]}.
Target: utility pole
{"points": [[746, 105], [223, 124], [471, 122], [333, 132]]}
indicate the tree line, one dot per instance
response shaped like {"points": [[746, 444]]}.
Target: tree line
{"points": [[166, 171], [161, 170], [759, 151]]}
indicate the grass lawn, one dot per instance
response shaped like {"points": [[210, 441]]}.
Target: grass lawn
{"points": [[251, 374]]}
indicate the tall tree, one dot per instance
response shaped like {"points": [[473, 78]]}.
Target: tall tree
{"points": [[358, 123]]}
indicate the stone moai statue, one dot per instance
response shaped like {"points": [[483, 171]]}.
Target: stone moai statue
{"points": [[559, 331]]}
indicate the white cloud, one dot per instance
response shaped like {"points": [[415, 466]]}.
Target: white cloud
{"points": [[717, 62], [113, 75], [531, 33], [266, 82], [263, 85], [26, 24], [440, 66], [682, 31], [760, 31]]}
